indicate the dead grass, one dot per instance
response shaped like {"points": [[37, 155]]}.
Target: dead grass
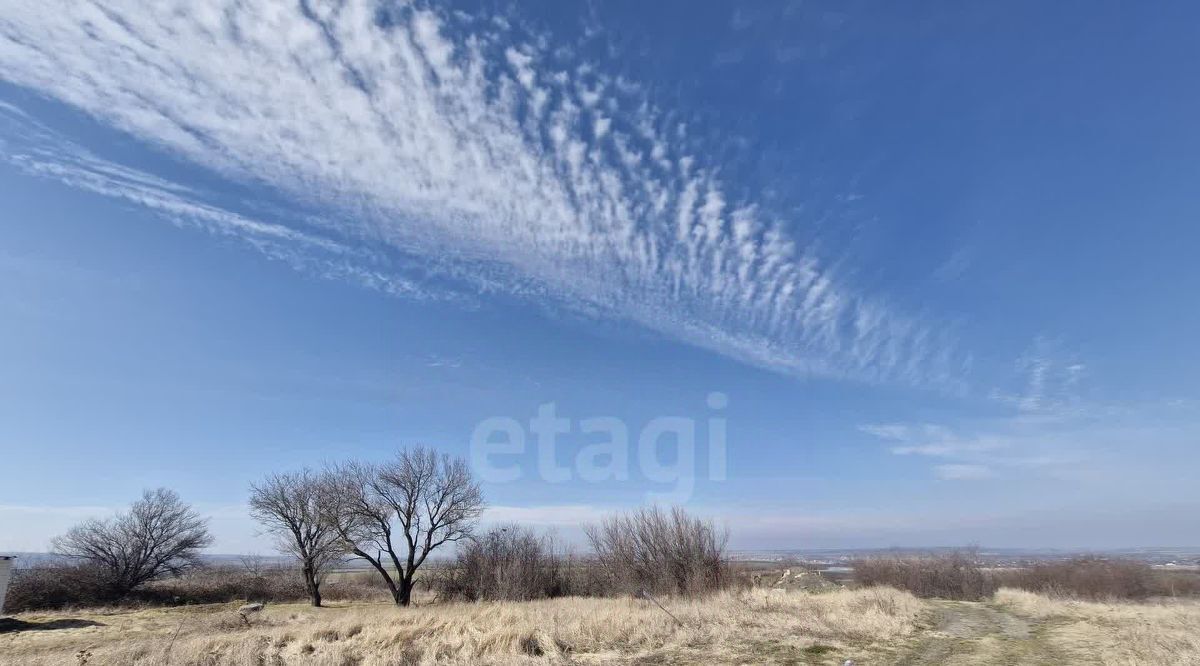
{"points": [[756, 626], [1124, 633]]}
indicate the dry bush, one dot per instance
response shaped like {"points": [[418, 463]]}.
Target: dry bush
{"points": [[509, 563], [1177, 583], [949, 576], [57, 586], [276, 583], [356, 586], [219, 584], [660, 551], [79, 586], [1086, 578], [730, 627]]}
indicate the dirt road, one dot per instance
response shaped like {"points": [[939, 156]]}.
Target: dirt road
{"points": [[978, 633]]}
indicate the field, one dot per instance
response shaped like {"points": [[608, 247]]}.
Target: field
{"points": [[784, 626], [747, 627]]}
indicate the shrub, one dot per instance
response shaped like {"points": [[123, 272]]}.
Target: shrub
{"points": [[219, 584], [1178, 583], [57, 586], [950, 576], [510, 563], [660, 551], [1088, 578]]}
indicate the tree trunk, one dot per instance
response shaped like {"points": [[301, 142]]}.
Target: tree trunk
{"points": [[312, 586], [403, 594]]}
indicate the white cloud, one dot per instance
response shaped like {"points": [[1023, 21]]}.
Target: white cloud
{"points": [[893, 431], [1063, 438], [962, 472], [1051, 380], [37, 150], [465, 152]]}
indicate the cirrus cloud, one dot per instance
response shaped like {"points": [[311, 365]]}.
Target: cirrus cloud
{"points": [[453, 144]]}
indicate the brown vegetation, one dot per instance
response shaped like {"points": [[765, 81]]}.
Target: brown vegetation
{"points": [[63, 587], [756, 626], [960, 576], [949, 576], [1086, 578], [668, 552], [509, 563]]}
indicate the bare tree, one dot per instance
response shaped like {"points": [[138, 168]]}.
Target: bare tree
{"points": [[158, 535], [362, 520], [290, 507], [404, 509]]}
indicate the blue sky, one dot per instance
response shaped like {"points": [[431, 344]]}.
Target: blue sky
{"points": [[940, 261]]}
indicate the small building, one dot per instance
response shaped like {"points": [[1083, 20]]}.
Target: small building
{"points": [[6, 565]]}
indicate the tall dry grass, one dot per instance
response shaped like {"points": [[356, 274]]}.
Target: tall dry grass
{"points": [[1114, 633], [757, 626]]}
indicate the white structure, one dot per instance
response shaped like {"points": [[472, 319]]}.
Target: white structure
{"points": [[6, 565]]}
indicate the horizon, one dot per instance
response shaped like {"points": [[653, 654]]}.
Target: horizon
{"points": [[835, 277]]}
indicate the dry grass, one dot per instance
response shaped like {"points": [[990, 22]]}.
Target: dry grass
{"points": [[757, 626], [1122, 633]]}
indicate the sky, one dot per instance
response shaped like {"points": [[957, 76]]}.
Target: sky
{"points": [[834, 274]]}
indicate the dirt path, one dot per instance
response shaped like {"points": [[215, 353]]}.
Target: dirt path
{"points": [[977, 633]]}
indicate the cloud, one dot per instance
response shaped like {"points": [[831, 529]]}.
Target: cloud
{"points": [[1051, 379], [436, 361], [463, 152], [38, 150], [975, 448], [894, 431], [1064, 437], [962, 472]]}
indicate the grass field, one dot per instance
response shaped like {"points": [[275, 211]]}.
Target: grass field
{"points": [[760, 626], [748, 627], [1112, 634]]}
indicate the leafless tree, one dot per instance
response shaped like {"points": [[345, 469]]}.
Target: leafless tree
{"points": [[402, 510], [362, 520], [290, 507], [158, 535]]}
